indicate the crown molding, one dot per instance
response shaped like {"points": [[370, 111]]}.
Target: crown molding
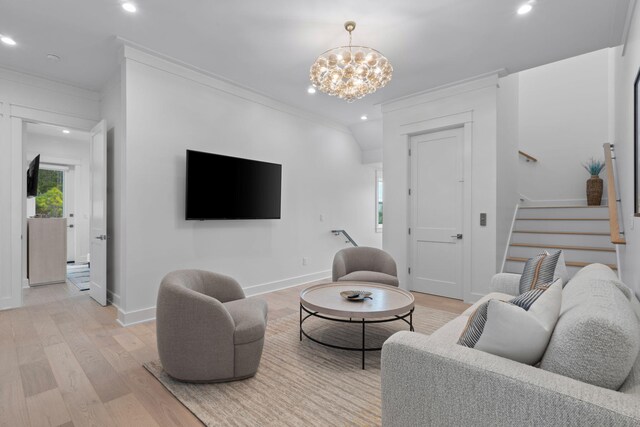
{"points": [[20, 77], [135, 52], [443, 91]]}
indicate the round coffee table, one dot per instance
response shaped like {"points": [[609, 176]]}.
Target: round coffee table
{"points": [[387, 304]]}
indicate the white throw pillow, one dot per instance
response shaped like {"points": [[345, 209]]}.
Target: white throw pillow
{"points": [[511, 331], [561, 271]]}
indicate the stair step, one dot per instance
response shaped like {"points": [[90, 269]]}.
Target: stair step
{"points": [[563, 247], [562, 219], [558, 225], [563, 207], [572, 233], [563, 212], [568, 263]]}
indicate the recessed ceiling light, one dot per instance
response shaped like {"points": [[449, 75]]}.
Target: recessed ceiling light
{"points": [[66, 131], [129, 7], [8, 40], [311, 90], [524, 9], [53, 57], [363, 117]]}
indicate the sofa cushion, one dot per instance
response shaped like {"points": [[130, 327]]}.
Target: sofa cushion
{"points": [[518, 329], [250, 318], [493, 295], [370, 276], [597, 337], [538, 270], [630, 295], [561, 271]]}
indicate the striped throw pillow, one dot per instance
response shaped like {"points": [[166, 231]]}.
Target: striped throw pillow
{"points": [[475, 326], [538, 270], [497, 327]]}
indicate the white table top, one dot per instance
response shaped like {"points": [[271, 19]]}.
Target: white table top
{"points": [[386, 300]]}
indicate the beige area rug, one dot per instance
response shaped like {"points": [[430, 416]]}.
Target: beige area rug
{"points": [[302, 383]]}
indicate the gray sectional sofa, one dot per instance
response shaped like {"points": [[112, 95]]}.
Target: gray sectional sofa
{"points": [[433, 381]]}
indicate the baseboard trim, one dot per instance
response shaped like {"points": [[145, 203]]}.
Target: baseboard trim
{"points": [[134, 317], [25, 284], [113, 298], [287, 283], [149, 314]]}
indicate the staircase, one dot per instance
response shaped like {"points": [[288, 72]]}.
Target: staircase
{"points": [[581, 232]]}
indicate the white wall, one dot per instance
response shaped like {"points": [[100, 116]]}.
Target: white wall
{"points": [[474, 103], [170, 109], [72, 153], [507, 162], [563, 121], [24, 97], [626, 70]]}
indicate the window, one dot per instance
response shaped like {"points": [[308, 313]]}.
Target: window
{"points": [[50, 199], [379, 186]]}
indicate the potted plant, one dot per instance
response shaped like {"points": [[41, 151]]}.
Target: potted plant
{"points": [[594, 184]]}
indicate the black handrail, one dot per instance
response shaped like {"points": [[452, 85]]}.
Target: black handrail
{"points": [[349, 239]]}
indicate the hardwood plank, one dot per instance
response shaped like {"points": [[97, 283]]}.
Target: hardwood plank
{"points": [[47, 330], [37, 377], [127, 411], [83, 403], [48, 409], [129, 341], [13, 406], [163, 407], [103, 377], [119, 358]]}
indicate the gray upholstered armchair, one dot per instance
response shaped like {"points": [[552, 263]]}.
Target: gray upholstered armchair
{"points": [[364, 264], [207, 330]]}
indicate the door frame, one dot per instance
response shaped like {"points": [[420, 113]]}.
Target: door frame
{"points": [[19, 116], [465, 121]]}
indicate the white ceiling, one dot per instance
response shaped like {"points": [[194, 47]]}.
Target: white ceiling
{"points": [[56, 132], [269, 45]]}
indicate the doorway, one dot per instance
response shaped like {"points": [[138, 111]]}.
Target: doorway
{"points": [[71, 161], [437, 212]]}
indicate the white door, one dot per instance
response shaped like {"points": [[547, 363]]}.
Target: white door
{"points": [[68, 205], [98, 221], [437, 180]]}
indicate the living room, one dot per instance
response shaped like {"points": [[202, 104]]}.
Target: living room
{"points": [[528, 92]]}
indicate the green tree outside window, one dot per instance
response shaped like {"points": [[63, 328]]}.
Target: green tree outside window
{"points": [[49, 201]]}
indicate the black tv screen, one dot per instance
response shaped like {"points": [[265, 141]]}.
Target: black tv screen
{"points": [[32, 177], [223, 187]]}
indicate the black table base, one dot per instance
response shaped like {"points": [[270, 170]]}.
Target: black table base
{"points": [[363, 322]]}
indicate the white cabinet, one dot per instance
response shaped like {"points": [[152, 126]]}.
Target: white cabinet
{"points": [[47, 250]]}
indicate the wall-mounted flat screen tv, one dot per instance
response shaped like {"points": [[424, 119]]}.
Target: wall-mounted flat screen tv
{"points": [[32, 177], [223, 187]]}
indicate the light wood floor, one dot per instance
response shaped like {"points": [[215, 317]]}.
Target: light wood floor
{"points": [[65, 361]]}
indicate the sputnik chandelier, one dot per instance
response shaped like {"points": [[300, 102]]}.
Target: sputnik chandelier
{"points": [[350, 72]]}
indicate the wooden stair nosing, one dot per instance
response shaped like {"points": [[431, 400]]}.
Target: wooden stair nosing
{"points": [[568, 263], [562, 219], [563, 247], [572, 233]]}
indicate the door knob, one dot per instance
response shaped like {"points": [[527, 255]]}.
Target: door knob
{"points": [[457, 236], [101, 237]]}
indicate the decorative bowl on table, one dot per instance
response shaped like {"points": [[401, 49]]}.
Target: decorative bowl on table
{"points": [[356, 295]]}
